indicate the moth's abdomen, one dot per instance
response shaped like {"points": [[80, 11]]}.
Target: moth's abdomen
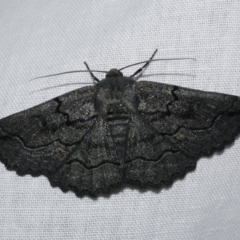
{"points": [[119, 127]]}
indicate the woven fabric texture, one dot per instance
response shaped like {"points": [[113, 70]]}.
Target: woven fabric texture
{"points": [[50, 36]]}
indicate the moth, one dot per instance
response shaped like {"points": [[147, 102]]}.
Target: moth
{"points": [[119, 131]]}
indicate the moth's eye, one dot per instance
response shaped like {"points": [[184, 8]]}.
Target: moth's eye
{"points": [[120, 74]]}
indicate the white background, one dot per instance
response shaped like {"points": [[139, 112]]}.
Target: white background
{"points": [[44, 37]]}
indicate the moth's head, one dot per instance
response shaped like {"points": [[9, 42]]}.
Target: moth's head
{"points": [[114, 73]]}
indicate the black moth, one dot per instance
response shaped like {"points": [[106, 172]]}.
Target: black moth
{"points": [[117, 132]]}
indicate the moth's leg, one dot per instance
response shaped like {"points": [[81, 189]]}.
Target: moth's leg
{"points": [[92, 75], [145, 65]]}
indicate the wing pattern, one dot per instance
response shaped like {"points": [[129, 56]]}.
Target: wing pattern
{"points": [[72, 143], [64, 139], [184, 125]]}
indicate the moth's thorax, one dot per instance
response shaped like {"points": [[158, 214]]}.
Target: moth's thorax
{"points": [[115, 95], [116, 83]]}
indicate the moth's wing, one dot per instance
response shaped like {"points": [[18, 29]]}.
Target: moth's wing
{"points": [[42, 139], [174, 126], [93, 164]]}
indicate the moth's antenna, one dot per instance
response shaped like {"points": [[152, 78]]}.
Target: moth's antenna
{"points": [[90, 71], [145, 65], [61, 85], [158, 59], [62, 73]]}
